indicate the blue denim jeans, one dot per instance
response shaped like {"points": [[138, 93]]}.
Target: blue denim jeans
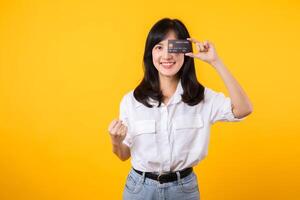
{"points": [[138, 187]]}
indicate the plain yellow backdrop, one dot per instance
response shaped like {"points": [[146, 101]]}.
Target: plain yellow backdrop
{"points": [[65, 65]]}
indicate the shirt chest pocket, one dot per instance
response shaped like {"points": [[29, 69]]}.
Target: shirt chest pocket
{"points": [[187, 133], [188, 122], [144, 127], [144, 138]]}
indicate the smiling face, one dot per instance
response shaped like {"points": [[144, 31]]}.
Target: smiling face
{"points": [[167, 64]]}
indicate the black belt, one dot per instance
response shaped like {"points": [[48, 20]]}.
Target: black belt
{"points": [[165, 178]]}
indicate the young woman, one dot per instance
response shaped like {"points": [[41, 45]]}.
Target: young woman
{"points": [[165, 122]]}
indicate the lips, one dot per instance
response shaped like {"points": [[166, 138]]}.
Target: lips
{"points": [[167, 64]]}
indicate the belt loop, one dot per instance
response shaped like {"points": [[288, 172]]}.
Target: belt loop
{"points": [[178, 177], [143, 177]]}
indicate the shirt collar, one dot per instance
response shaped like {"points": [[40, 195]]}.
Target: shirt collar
{"points": [[176, 98]]}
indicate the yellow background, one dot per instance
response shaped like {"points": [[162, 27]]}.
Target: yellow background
{"points": [[65, 65]]}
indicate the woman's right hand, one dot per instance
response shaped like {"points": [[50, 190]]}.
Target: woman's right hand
{"points": [[117, 132]]}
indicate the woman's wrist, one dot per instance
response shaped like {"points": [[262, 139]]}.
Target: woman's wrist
{"points": [[116, 144], [216, 63]]}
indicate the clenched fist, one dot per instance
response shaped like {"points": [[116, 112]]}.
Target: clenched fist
{"points": [[117, 132]]}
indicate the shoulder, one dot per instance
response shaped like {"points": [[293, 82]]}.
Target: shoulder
{"points": [[128, 99], [209, 93], [213, 96]]}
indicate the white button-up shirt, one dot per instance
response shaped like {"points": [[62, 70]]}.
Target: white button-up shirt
{"points": [[174, 136]]}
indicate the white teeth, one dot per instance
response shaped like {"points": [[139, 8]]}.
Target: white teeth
{"points": [[168, 63]]}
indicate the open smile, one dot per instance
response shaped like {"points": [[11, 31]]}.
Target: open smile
{"points": [[167, 64]]}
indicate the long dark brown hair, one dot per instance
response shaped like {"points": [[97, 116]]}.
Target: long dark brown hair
{"points": [[149, 87]]}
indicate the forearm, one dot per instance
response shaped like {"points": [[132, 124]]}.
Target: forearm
{"points": [[240, 101], [122, 151]]}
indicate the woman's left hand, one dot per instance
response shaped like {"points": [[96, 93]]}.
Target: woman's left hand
{"points": [[205, 51]]}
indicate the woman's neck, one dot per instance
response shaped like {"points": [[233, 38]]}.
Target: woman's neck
{"points": [[168, 86]]}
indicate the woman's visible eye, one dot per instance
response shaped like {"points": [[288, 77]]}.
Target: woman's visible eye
{"points": [[158, 47]]}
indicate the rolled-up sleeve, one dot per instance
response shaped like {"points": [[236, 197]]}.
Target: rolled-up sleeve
{"points": [[221, 108], [123, 115]]}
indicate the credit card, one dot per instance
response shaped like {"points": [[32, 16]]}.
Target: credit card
{"points": [[179, 46]]}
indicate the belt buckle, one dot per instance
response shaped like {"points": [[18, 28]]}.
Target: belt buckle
{"points": [[159, 175]]}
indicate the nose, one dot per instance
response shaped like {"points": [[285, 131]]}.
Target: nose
{"points": [[166, 54]]}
